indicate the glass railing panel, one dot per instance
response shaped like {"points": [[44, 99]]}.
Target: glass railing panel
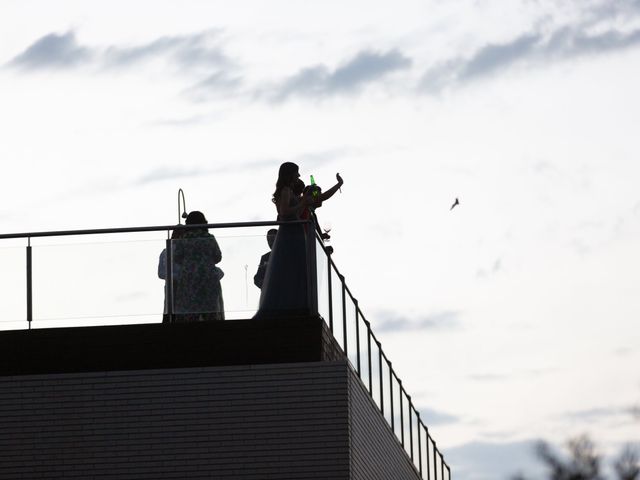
{"points": [[322, 275], [431, 459], [97, 280], [245, 259], [414, 431], [375, 373], [352, 334], [397, 424], [336, 302], [423, 451], [386, 391], [365, 359], [13, 306]]}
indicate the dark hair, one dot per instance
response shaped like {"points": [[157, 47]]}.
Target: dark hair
{"points": [[286, 176], [196, 218], [272, 231]]}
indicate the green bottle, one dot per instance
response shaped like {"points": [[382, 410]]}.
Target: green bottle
{"points": [[314, 190]]}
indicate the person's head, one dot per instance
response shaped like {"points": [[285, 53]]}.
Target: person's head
{"points": [[287, 175], [298, 187], [196, 218], [271, 236]]}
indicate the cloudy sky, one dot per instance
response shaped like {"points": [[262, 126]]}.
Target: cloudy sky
{"points": [[512, 318]]}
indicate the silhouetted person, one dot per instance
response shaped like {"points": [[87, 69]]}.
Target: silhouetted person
{"points": [[284, 291], [455, 204], [258, 278], [162, 272], [198, 294]]}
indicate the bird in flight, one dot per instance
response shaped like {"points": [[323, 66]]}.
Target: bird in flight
{"points": [[455, 204]]}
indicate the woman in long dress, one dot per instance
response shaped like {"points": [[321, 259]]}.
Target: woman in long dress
{"points": [[197, 292], [284, 291]]}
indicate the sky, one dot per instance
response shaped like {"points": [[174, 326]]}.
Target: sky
{"points": [[512, 318]]}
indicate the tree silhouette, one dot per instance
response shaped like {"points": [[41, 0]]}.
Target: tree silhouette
{"points": [[584, 462]]}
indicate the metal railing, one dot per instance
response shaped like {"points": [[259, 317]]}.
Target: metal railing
{"points": [[353, 332], [329, 297]]}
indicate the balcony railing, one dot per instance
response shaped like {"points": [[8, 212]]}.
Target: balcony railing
{"points": [[56, 267]]}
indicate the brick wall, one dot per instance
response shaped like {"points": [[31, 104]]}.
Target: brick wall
{"points": [[283, 421], [376, 453]]}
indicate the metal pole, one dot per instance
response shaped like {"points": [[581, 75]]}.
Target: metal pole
{"points": [[410, 426], [401, 390], [330, 294], [29, 284], [169, 277], [345, 339], [393, 429], [312, 274], [426, 431], [369, 358], [418, 421], [358, 338], [380, 376], [448, 472]]}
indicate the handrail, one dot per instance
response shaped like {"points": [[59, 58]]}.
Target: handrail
{"points": [[404, 429], [156, 228]]}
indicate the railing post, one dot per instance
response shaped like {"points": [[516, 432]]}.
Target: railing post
{"points": [[393, 420], [419, 423], [410, 426], [380, 376], [345, 339], [448, 472], [400, 391], [426, 442], [369, 358], [330, 293], [29, 284], [312, 269], [169, 278], [358, 337]]}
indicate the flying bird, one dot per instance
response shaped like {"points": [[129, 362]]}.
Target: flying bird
{"points": [[455, 204]]}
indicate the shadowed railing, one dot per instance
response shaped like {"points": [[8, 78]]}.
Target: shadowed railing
{"points": [[56, 267]]}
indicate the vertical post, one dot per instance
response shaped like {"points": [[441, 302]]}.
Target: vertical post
{"points": [[380, 376], [410, 425], [169, 278], [419, 422], [393, 429], [358, 337], [426, 442], [29, 284], [345, 339], [435, 458], [312, 274], [330, 293], [448, 472], [401, 392], [369, 358]]}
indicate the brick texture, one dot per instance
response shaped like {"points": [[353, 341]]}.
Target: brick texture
{"points": [[285, 421]]}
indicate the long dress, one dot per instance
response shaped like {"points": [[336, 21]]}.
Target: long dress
{"points": [[284, 290], [197, 290]]}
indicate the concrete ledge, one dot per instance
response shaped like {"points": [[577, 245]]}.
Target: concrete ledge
{"points": [[154, 346]]}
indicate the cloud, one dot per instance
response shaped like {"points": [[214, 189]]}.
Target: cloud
{"points": [[601, 413], [490, 461], [319, 81], [199, 51], [392, 322], [305, 160], [432, 417], [53, 51], [186, 51], [529, 49]]}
